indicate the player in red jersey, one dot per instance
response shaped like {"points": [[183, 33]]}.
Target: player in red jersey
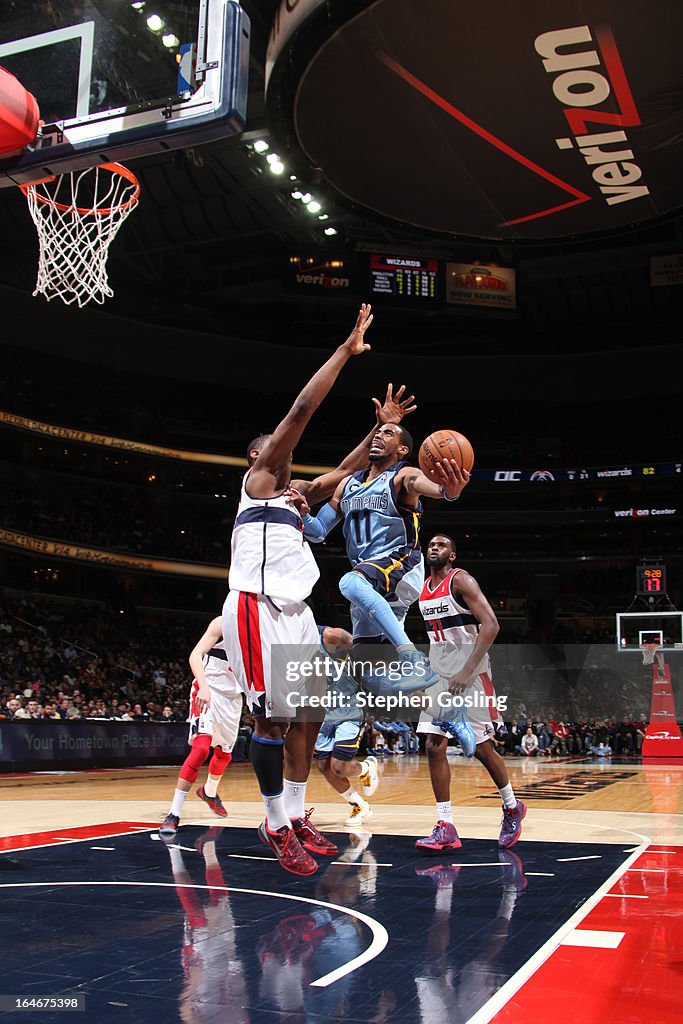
{"points": [[462, 626]]}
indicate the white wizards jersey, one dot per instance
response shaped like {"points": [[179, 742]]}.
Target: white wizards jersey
{"points": [[451, 626], [269, 553], [219, 675]]}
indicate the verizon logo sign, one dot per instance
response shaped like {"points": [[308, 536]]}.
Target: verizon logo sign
{"points": [[643, 513], [584, 80]]}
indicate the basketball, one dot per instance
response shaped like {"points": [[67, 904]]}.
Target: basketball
{"points": [[445, 444]]}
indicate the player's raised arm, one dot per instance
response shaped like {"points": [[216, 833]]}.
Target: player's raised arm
{"points": [[211, 637], [394, 408], [276, 453], [317, 527], [488, 630], [447, 481]]}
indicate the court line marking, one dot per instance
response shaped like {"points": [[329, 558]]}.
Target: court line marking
{"points": [[361, 863], [626, 896], [246, 856], [650, 871], [61, 840], [593, 938], [592, 856], [484, 1014], [482, 864], [540, 874], [102, 847], [380, 936]]}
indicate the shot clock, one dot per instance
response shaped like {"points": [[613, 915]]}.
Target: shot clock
{"points": [[650, 579]]}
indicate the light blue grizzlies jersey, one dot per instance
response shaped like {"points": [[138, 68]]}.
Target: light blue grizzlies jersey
{"points": [[345, 707], [374, 525]]}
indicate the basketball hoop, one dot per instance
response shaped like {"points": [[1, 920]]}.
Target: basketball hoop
{"points": [[77, 216], [649, 653]]}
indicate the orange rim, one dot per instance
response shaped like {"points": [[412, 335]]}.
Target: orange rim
{"points": [[124, 172]]}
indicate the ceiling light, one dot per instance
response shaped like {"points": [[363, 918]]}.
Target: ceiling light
{"points": [[276, 167], [314, 206], [138, 5], [273, 158], [169, 40], [306, 198], [297, 194], [292, 177], [155, 23], [261, 146], [323, 216], [330, 231]]}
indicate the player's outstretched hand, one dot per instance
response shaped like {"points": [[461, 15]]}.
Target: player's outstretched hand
{"points": [[355, 342], [395, 406], [297, 500], [452, 478]]}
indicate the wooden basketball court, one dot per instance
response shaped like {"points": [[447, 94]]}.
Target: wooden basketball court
{"points": [[586, 906]]}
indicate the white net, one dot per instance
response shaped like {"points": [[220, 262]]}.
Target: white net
{"points": [[649, 654], [77, 217]]}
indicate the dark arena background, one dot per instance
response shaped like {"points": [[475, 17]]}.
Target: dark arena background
{"points": [[504, 185]]}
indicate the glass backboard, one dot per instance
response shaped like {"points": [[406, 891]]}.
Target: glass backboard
{"points": [[116, 79], [634, 629]]}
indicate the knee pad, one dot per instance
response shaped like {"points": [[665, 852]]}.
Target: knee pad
{"points": [[219, 762], [196, 758]]}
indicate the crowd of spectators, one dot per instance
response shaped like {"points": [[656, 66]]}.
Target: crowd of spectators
{"points": [[74, 659], [541, 736], [80, 660]]}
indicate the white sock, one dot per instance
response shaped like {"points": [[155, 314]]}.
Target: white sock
{"points": [[295, 796], [508, 797], [178, 801], [364, 768], [444, 811], [276, 813], [211, 784], [351, 796]]}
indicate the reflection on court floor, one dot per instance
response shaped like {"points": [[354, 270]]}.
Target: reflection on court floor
{"points": [[210, 929]]}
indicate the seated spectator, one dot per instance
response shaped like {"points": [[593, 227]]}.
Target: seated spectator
{"points": [[601, 750], [20, 711], [622, 736], [640, 729], [529, 745], [559, 741]]}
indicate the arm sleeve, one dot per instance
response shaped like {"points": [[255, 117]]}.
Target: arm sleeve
{"points": [[316, 528]]}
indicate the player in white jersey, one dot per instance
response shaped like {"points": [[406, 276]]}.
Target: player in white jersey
{"points": [[462, 627], [215, 710], [272, 572]]}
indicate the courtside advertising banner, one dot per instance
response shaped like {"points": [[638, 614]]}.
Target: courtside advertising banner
{"points": [[470, 284], [666, 270]]}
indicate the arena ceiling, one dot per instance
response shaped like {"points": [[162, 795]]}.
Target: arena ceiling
{"points": [[209, 245]]}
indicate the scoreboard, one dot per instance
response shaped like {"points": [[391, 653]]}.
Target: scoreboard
{"points": [[404, 277], [650, 579]]}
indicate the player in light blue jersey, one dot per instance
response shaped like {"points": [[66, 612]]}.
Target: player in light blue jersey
{"points": [[340, 734], [381, 510]]}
